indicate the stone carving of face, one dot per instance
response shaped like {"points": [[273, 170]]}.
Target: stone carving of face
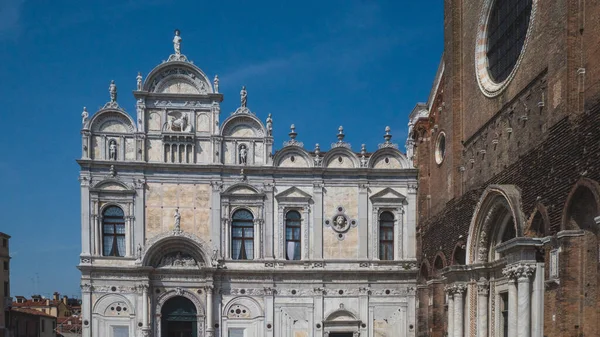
{"points": [[339, 221]]}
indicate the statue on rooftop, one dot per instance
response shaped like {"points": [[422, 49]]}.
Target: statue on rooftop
{"points": [[84, 116], [112, 89], [216, 82], [244, 97], [177, 42], [139, 81]]}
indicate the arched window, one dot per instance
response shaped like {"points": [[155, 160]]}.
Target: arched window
{"points": [[113, 231], [242, 235], [292, 235], [386, 236]]}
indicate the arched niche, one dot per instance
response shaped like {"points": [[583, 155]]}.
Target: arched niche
{"points": [[104, 304], [439, 263], [582, 207], [497, 218], [252, 307], [459, 254], [424, 272], [539, 222]]}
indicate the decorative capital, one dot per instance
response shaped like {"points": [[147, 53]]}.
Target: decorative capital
{"points": [[86, 288], [483, 287], [521, 271]]}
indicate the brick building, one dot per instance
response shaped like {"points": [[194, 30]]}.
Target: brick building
{"points": [[5, 299], [31, 323], [507, 148], [56, 306]]}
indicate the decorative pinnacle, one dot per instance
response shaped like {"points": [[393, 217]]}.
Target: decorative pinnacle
{"points": [[293, 132], [363, 149], [387, 136], [317, 149], [341, 135]]}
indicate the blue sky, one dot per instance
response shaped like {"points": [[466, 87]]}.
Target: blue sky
{"points": [[317, 64]]}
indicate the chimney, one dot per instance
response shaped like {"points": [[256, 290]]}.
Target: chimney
{"points": [[56, 296], [65, 300], [48, 301]]}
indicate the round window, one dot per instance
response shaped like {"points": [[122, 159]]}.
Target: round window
{"points": [[502, 35], [440, 148]]}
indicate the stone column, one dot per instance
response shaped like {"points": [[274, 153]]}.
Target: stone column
{"points": [[318, 221], [459, 290], [86, 304], [144, 288], [209, 312], [363, 216], [512, 301], [449, 292], [483, 291], [84, 183], [524, 273]]}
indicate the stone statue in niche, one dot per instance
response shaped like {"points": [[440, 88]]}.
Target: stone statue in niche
{"points": [[139, 81], [243, 154], [177, 260], [112, 89], [84, 116], [177, 218], [177, 42], [243, 97], [112, 150]]}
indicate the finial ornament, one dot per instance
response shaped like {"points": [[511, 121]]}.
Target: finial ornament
{"points": [[293, 141], [177, 42], [84, 116], [216, 83], [363, 155], [269, 125], [340, 137], [388, 139], [112, 89], [139, 81], [318, 159], [244, 97], [293, 132]]}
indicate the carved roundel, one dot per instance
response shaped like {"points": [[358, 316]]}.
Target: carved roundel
{"points": [[340, 222]]}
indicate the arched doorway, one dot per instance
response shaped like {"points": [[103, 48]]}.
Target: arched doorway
{"points": [[179, 318]]}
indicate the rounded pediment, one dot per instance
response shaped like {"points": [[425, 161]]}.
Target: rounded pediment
{"points": [[112, 121], [292, 156], [176, 251], [340, 157], [388, 158], [243, 126], [178, 77]]}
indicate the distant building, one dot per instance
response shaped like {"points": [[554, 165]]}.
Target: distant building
{"points": [[68, 326], [31, 323], [5, 300], [56, 306]]}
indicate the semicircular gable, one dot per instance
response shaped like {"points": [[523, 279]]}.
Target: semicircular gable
{"points": [[292, 156], [340, 157], [111, 185], [251, 304], [112, 121], [242, 126], [178, 78], [241, 188], [103, 305], [388, 158]]}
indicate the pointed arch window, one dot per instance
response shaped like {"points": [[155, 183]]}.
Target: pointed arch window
{"points": [[242, 235], [386, 236], [113, 231], [292, 235]]}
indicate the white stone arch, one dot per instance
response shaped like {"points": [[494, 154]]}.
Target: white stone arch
{"points": [[255, 308], [341, 152], [395, 159], [497, 206], [112, 184], [169, 242], [241, 189], [340, 314], [114, 121], [282, 157], [177, 72], [179, 292], [234, 123], [104, 302]]}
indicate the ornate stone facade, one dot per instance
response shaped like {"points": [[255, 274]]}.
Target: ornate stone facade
{"points": [[194, 225]]}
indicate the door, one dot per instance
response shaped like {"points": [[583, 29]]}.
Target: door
{"points": [[340, 334]]}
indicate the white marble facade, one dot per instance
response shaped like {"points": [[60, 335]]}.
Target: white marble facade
{"points": [[193, 227]]}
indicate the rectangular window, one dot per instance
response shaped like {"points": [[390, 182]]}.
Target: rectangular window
{"points": [[120, 331], [4, 242], [43, 324], [6, 289], [5, 265], [236, 332], [292, 235], [504, 314], [386, 236]]}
